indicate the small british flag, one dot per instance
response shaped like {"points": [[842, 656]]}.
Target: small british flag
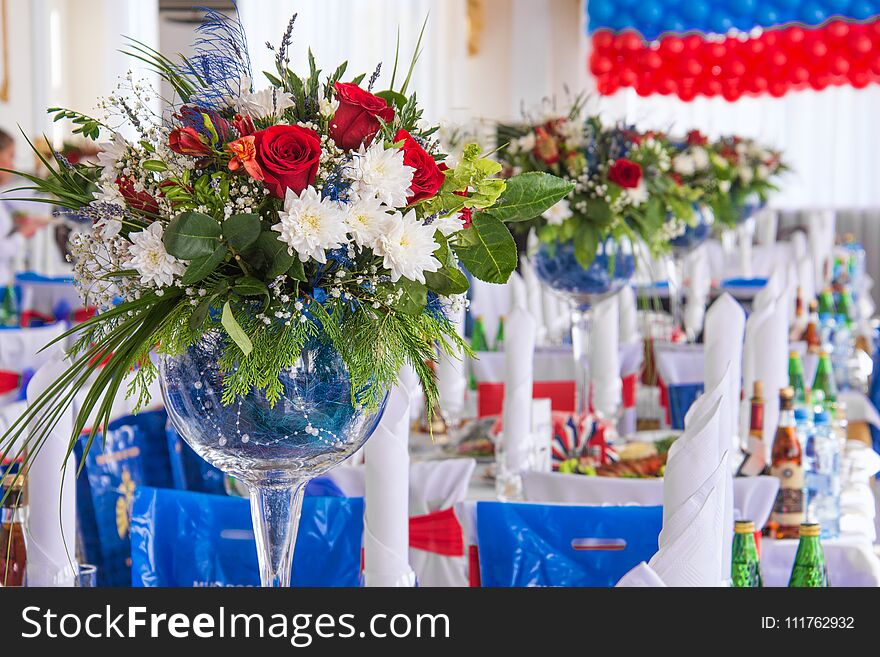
{"points": [[570, 438]]}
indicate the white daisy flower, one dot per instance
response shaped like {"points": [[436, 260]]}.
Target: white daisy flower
{"points": [[763, 172], [558, 213], [266, 102], [310, 225], [327, 108], [638, 195], [112, 151], [700, 157], [407, 247], [684, 164], [448, 225], [147, 256], [745, 174], [527, 142], [377, 172], [366, 220]]}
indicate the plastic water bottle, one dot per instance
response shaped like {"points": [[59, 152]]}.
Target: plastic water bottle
{"points": [[822, 474], [841, 353]]}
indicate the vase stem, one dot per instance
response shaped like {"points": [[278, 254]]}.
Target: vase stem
{"points": [[580, 342], [275, 511], [676, 292]]}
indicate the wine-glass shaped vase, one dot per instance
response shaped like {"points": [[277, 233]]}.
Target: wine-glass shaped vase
{"points": [[275, 449], [611, 269], [682, 246]]}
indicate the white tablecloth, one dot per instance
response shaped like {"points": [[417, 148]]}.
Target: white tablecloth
{"points": [[851, 561]]}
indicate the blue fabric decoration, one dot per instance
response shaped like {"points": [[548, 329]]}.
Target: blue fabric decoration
{"points": [[681, 396]]}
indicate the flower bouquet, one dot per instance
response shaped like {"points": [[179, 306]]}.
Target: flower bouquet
{"points": [[274, 255]]}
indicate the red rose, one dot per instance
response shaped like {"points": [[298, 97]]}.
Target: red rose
{"points": [[696, 138], [138, 201], [427, 177], [288, 156], [625, 173], [187, 141], [355, 121]]}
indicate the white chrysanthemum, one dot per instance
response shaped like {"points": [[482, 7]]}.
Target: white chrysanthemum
{"points": [[266, 102], [407, 247], [557, 214], [377, 172], [366, 220], [147, 256], [327, 108], [701, 158], [112, 151], [745, 174], [763, 172], [527, 142], [684, 164], [310, 225], [637, 195], [448, 225]]}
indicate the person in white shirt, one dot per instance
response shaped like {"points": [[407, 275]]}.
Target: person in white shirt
{"points": [[15, 226]]}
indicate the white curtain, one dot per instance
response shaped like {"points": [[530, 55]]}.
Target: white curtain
{"points": [[364, 34]]}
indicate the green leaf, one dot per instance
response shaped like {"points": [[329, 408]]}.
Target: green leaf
{"points": [[297, 272], [155, 165], [269, 254], [528, 195], [241, 230], [414, 297], [586, 243], [227, 319], [599, 212], [248, 286], [393, 98], [191, 235], [448, 279], [487, 249], [199, 314], [200, 268]]}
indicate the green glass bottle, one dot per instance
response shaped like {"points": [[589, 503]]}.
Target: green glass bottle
{"points": [[826, 302], [796, 378], [845, 307], [478, 336], [745, 570], [809, 562], [498, 345], [9, 309], [824, 381]]}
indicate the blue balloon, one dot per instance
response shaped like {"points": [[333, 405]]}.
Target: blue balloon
{"points": [[862, 9], [720, 23], [742, 7], [767, 16], [814, 12], [601, 10], [649, 12], [696, 11], [837, 7]]}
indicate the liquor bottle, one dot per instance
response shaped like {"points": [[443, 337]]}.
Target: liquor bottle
{"points": [[796, 378], [811, 334], [478, 336], [787, 464], [13, 554], [498, 345], [745, 569], [809, 562], [824, 381], [845, 307], [755, 461], [799, 325]]}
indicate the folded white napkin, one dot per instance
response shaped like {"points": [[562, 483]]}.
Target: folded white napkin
{"points": [[775, 284], [799, 245], [605, 357], [745, 233], [51, 531], [697, 291], [452, 375], [386, 515], [768, 222], [641, 576], [691, 541], [723, 337], [765, 358], [629, 320], [753, 498], [534, 299]]}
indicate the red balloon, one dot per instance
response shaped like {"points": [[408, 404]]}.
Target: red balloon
{"points": [[800, 74], [819, 82], [837, 29], [736, 67], [603, 39], [693, 42], [630, 41], [731, 90], [770, 38], [718, 50], [794, 35], [777, 89], [599, 64], [840, 66], [759, 84], [778, 58], [672, 45], [861, 44], [875, 65], [666, 86], [687, 93], [819, 49], [645, 86], [712, 88], [653, 60], [755, 46], [607, 86], [693, 67], [628, 77], [859, 79]]}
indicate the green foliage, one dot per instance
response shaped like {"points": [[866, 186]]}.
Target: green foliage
{"points": [[85, 125], [192, 235], [487, 249], [528, 195]]}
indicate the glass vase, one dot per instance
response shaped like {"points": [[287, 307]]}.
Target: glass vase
{"points": [[611, 269], [682, 246], [275, 449]]}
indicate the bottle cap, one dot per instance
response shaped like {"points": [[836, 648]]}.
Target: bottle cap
{"points": [[786, 393], [758, 389], [794, 354], [810, 529], [744, 527]]}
